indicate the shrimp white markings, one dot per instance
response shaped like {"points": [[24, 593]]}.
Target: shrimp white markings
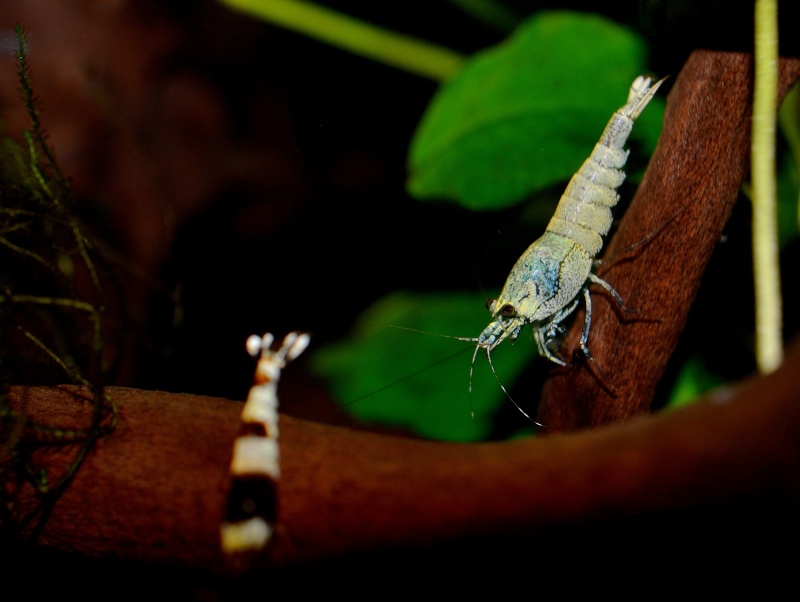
{"points": [[545, 285], [251, 511]]}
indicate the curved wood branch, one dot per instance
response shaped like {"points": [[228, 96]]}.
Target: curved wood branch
{"points": [[153, 493], [686, 197], [712, 474]]}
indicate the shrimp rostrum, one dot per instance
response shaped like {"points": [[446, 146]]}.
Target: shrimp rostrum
{"points": [[547, 281]]}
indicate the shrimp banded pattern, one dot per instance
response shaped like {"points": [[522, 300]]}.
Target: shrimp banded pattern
{"points": [[545, 285], [251, 511]]}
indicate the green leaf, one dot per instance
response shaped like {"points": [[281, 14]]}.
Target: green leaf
{"points": [[399, 377], [787, 198], [694, 380], [788, 205], [525, 114]]}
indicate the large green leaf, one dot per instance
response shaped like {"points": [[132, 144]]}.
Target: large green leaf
{"points": [[404, 378], [525, 114]]}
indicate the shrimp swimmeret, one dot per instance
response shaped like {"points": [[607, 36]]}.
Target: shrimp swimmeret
{"points": [[545, 284]]}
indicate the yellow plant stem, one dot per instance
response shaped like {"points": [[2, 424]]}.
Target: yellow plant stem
{"points": [[365, 39], [769, 346]]}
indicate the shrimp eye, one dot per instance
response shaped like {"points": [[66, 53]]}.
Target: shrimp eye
{"points": [[508, 310], [490, 304]]}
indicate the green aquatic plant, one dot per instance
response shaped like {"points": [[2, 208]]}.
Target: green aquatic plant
{"points": [[51, 310]]}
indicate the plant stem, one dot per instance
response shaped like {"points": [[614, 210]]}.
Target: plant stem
{"points": [[365, 39], [490, 12], [769, 345]]}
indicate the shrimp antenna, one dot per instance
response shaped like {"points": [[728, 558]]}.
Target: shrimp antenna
{"points": [[502, 386], [435, 334], [472, 369]]}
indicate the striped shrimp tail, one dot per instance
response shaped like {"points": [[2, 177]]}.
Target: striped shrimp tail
{"points": [[251, 512], [640, 95]]}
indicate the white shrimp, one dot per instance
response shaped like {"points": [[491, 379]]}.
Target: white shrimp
{"points": [[545, 284]]}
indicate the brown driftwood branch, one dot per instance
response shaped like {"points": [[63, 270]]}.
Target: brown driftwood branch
{"points": [[713, 473]]}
